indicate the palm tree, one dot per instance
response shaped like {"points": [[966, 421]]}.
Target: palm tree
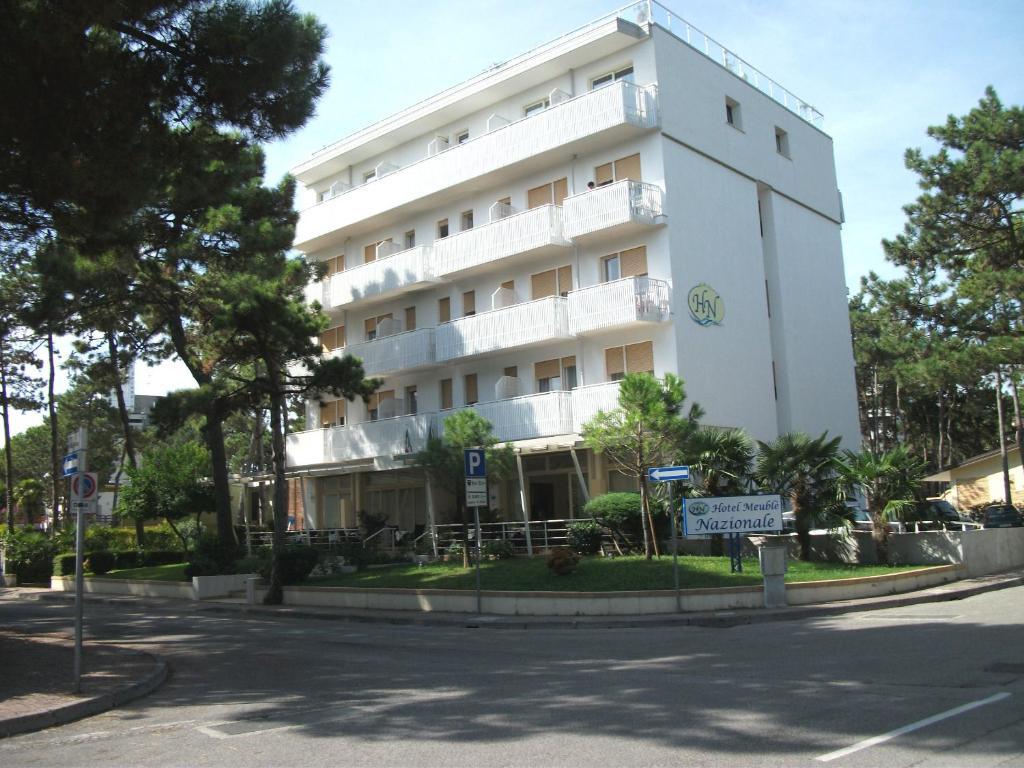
{"points": [[890, 482], [720, 459], [28, 495], [804, 470]]}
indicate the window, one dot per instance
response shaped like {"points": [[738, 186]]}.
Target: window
{"points": [[553, 282], [462, 137], [546, 194], [610, 268], [632, 358], [381, 405], [370, 252], [337, 264], [732, 113], [781, 142], [369, 176], [442, 229], [467, 220], [553, 375], [444, 310], [410, 318], [332, 414], [469, 303], [624, 168], [411, 401], [333, 338], [446, 393], [626, 73], [629, 263], [410, 239], [472, 396], [371, 323], [512, 371], [537, 106]]}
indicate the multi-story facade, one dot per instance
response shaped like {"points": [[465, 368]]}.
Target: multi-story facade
{"points": [[630, 197]]}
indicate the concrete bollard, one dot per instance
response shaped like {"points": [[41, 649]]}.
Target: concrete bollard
{"points": [[772, 553], [250, 589]]}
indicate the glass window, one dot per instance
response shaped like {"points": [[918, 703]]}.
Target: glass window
{"points": [[462, 137], [467, 220], [410, 238], [611, 268], [626, 73], [442, 229], [537, 106], [369, 176]]}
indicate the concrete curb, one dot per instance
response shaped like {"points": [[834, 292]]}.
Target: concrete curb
{"points": [[87, 707]]}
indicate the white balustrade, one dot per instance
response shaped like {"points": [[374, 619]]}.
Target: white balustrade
{"points": [[562, 124], [588, 400], [399, 352], [526, 417], [507, 328], [624, 202], [513, 235], [304, 448], [384, 277], [385, 437], [618, 303]]}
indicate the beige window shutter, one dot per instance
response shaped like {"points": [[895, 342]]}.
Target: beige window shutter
{"points": [[444, 310], [472, 396], [569, 362], [603, 174], [509, 284], [633, 263], [373, 402], [327, 413], [328, 338], [546, 369], [628, 168], [369, 325], [614, 361], [564, 279], [469, 303], [513, 371], [370, 253], [538, 196], [640, 357], [387, 394], [340, 412], [544, 284], [446, 393], [410, 318], [561, 191], [340, 339]]}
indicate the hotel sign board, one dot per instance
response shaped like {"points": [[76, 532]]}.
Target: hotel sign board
{"points": [[732, 514]]}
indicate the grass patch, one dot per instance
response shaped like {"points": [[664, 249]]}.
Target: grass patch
{"points": [[594, 574], [172, 572]]}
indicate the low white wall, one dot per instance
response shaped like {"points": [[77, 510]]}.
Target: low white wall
{"points": [[981, 552], [96, 585], [218, 586]]}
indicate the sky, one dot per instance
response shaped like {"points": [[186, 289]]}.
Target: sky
{"points": [[879, 72]]}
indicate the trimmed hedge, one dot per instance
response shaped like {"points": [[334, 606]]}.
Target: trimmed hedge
{"points": [[64, 565], [100, 562], [584, 537], [297, 562]]}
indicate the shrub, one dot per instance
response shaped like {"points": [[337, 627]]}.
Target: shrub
{"points": [[212, 558], [454, 550], [29, 555], [355, 554], [162, 537], [617, 509], [104, 537], [584, 537], [64, 565], [100, 562], [498, 549], [254, 564], [297, 561], [131, 558], [150, 557], [562, 561]]}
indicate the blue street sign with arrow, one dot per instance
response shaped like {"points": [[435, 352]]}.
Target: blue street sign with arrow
{"points": [[665, 474], [71, 464]]}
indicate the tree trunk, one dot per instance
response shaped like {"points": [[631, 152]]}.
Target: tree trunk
{"points": [[803, 530], [9, 458], [1015, 392], [275, 593], [1002, 440], [56, 471], [126, 427]]}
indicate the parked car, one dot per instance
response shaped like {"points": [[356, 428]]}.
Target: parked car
{"points": [[936, 515], [1001, 516]]}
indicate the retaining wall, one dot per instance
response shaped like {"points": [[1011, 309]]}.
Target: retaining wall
{"points": [[981, 552], [200, 588]]}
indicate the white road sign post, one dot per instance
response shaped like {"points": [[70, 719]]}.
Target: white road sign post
{"points": [[667, 475], [80, 485], [476, 497]]}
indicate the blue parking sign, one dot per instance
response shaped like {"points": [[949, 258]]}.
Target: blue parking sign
{"points": [[475, 464]]}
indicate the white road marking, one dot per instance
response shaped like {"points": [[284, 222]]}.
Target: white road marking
{"points": [[875, 740]]}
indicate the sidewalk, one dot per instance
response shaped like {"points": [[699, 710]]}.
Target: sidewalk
{"points": [[38, 678]]}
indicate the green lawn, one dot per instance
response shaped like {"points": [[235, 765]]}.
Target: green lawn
{"points": [[173, 572], [594, 574]]}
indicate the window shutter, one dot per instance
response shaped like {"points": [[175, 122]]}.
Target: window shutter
{"points": [[564, 279], [444, 310], [446, 393], [369, 326], [603, 174], [561, 191], [569, 362], [328, 339], [614, 364], [509, 285], [327, 413], [628, 168], [546, 369], [544, 284], [370, 253], [469, 303], [513, 371], [410, 318], [633, 262], [640, 357], [538, 196], [472, 396]]}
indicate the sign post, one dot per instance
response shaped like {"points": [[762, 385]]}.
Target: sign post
{"points": [[668, 475], [732, 516], [83, 489], [476, 497]]}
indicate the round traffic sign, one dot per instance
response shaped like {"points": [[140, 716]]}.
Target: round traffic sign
{"points": [[83, 486]]}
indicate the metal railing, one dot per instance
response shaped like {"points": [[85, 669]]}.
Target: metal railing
{"points": [[619, 302], [375, 279], [525, 417], [544, 534], [504, 328], [611, 205], [588, 400], [400, 351]]}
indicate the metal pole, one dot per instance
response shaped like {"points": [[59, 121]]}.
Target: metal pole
{"points": [[83, 440], [479, 553], [523, 502], [675, 545]]}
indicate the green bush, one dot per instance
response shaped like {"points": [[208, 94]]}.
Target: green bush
{"points": [[151, 557], [64, 565], [454, 550], [297, 561], [562, 561], [29, 555], [131, 558], [584, 537], [498, 549], [212, 558], [618, 509], [100, 562], [254, 564], [103, 537], [162, 537]]}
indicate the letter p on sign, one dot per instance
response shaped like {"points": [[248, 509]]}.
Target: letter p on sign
{"points": [[475, 466]]}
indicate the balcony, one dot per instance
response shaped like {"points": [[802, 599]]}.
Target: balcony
{"points": [[584, 123], [400, 352], [618, 303], [616, 209], [521, 325], [587, 401], [369, 440], [526, 417], [382, 279]]}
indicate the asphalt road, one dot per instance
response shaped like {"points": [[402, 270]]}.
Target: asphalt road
{"points": [[856, 690]]}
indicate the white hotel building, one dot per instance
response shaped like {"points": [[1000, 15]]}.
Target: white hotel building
{"points": [[470, 265]]}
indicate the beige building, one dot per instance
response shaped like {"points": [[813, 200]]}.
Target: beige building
{"points": [[979, 480]]}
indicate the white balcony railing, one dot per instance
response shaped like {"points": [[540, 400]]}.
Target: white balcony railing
{"points": [[570, 121], [379, 279], [620, 302], [386, 437], [308, 447], [624, 202], [526, 417], [511, 235], [588, 400], [387, 354], [520, 325]]}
